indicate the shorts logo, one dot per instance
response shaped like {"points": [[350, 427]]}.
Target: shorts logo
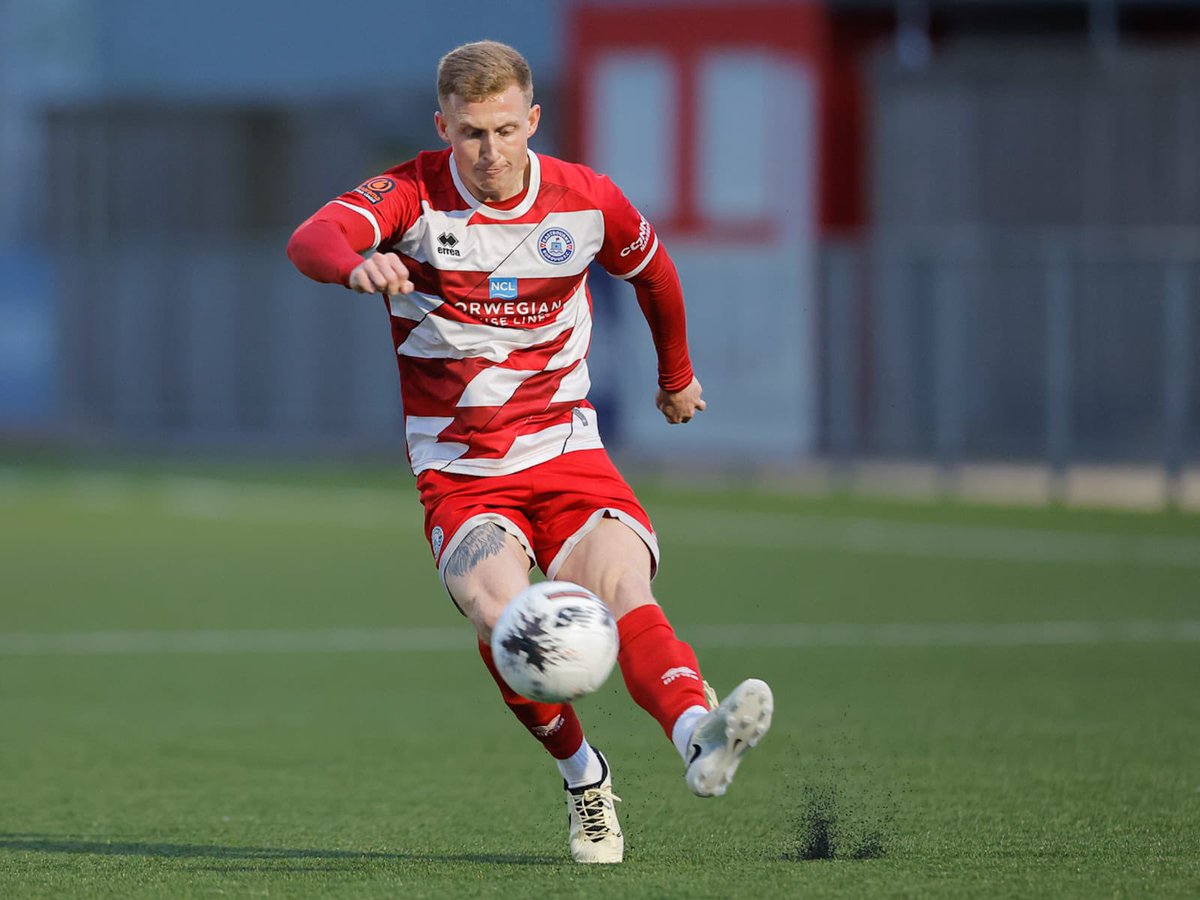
{"points": [[502, 288], [374, 189], [436, 539], [556, 246]]}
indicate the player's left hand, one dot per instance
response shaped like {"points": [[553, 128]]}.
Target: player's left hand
{"points": [[680, 406]]}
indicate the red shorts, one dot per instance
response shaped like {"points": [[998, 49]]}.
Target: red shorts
{"points": [[548, 507]]}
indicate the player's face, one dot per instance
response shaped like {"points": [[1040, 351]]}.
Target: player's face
{"points": [[490, 140]]}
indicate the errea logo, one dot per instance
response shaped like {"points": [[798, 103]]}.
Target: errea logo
{"points": [[550, 728], [679, 672], [447, 244]]}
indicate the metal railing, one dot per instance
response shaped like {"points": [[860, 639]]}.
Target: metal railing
{"points": [[943, 347], [949, 345]]}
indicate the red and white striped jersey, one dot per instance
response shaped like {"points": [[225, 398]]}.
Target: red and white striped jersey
{"points": [[492, 344]]}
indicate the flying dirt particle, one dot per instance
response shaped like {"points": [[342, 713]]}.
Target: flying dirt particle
{"points": [[816, 823], [828, 827], [869, 846]]}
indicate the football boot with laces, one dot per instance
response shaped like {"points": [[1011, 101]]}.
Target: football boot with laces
{"points": [[595, 835]]}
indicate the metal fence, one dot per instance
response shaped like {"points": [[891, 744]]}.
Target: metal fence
{"points": [[221, 344], [962, 327], [1054, 347], [1059, 346]]}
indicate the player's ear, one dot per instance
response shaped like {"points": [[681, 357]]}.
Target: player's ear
{"points": [[535, 116], [439, 122]]}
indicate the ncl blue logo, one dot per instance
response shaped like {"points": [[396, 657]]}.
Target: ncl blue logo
{"points": [[502, 288]]}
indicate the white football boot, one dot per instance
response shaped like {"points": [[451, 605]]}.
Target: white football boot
{"points": [[591, 809], [722, 737]]}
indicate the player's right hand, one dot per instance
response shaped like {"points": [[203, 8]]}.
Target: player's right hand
{"points": [[382, 273], [679, 407]]}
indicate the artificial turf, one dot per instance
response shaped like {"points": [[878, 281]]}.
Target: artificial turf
{"points": [[919, 767]]}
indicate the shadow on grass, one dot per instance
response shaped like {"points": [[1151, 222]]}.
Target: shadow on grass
{"points": [[48, 843]]}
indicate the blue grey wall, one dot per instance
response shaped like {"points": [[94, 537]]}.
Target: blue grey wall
{"points": [[271, 49]]}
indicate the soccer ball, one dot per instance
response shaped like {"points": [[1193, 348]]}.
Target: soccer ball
{"points": [[555, 642]]}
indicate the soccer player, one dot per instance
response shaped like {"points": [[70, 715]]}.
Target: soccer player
{"points": [[481, 253]]}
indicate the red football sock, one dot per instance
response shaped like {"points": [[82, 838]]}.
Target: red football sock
{"points": [[554, 724], [660, 670]]}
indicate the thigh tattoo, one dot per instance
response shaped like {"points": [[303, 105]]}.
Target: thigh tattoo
{"points": [[481, 542]]}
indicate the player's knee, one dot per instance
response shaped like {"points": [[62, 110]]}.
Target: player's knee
{"points": [[622, 587], [480, 606], [486, 570], [627, 590], [489, 614]]}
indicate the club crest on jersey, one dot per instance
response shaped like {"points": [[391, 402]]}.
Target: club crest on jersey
{"points": [[374, 189], [556, 246], [502, 288]]}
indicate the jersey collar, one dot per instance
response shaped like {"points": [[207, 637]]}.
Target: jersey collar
{"points": [[535, 182]]}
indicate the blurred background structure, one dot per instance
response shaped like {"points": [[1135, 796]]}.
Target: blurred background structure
{"points": [[949, 232]]}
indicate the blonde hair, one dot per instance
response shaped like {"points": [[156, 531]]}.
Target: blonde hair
{"points": [[482, 69]]}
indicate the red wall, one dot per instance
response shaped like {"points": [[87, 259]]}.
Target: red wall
{"points": [[685, 31]]}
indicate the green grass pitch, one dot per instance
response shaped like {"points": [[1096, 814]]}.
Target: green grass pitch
{"points": [[207, 689]]}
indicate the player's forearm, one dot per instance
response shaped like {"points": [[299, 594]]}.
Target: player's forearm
{"points": [[321, 250], [660, 296]]}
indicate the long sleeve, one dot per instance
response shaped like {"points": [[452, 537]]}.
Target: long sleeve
{"points": [[320, 249], [660, 296], [329, 244]]}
